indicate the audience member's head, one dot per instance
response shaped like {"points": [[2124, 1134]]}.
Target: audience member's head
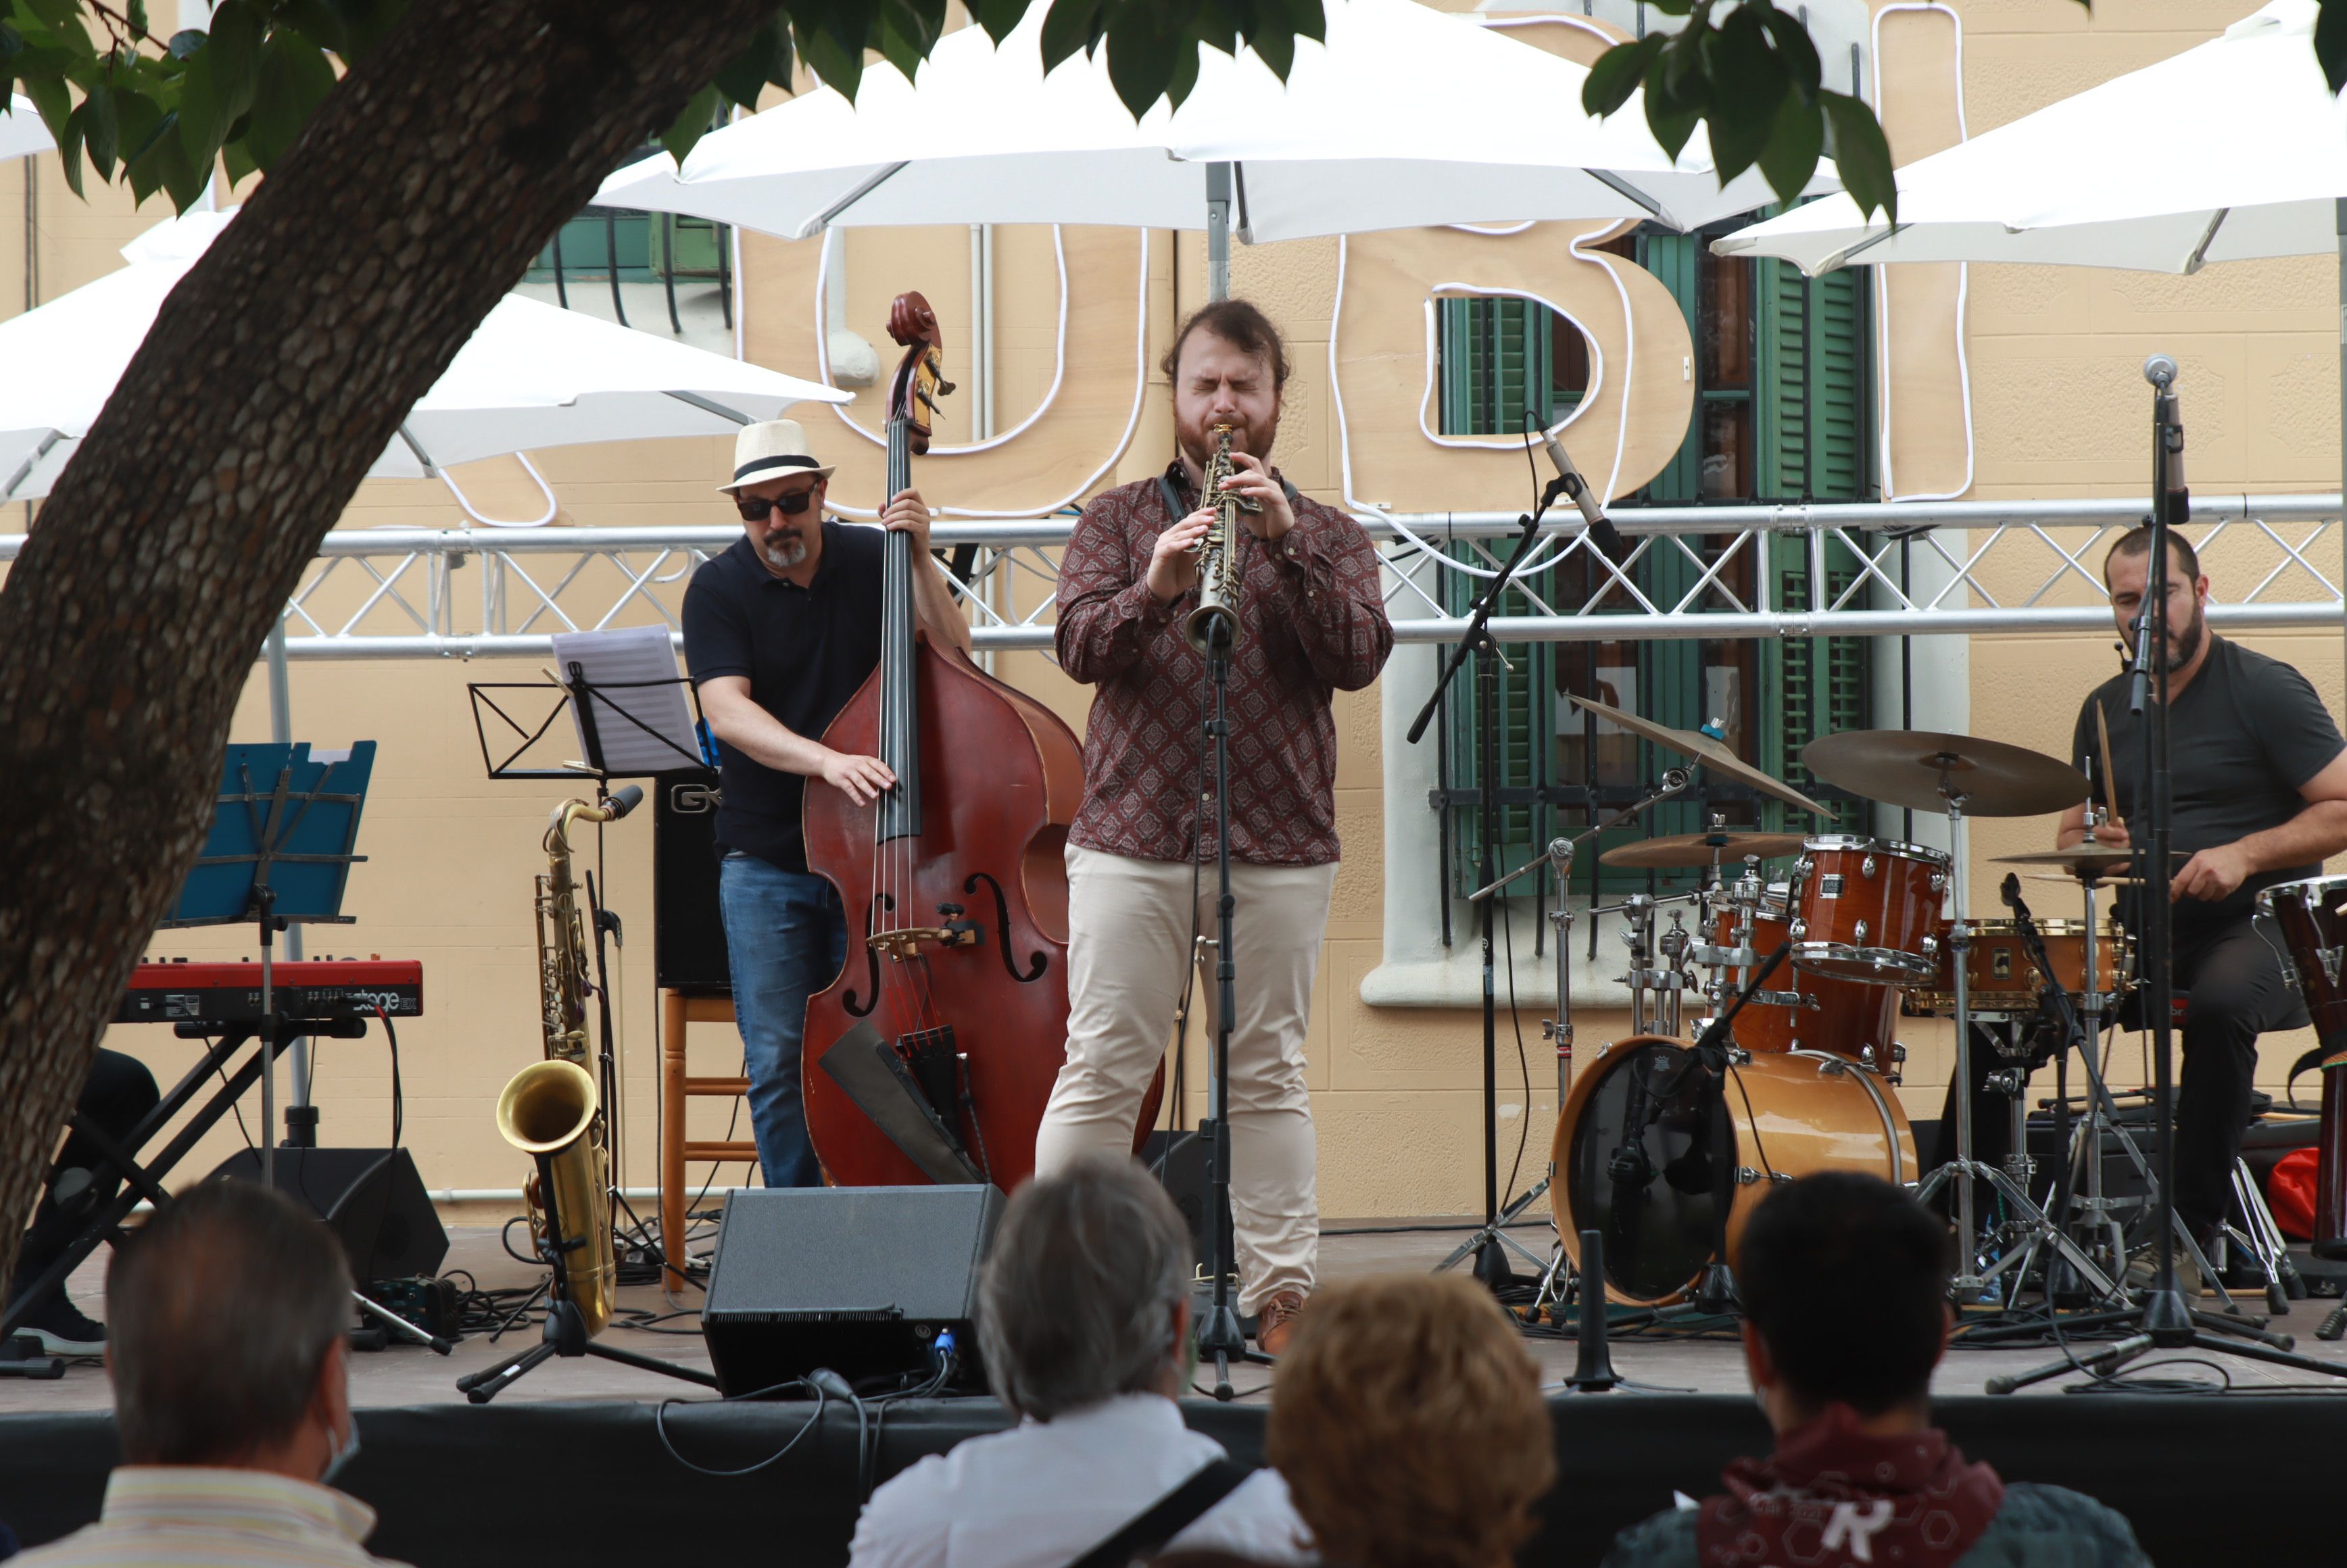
{"points": [[1812, 1248], [1408, 1423], [1085, 1294], [229, 1313]]}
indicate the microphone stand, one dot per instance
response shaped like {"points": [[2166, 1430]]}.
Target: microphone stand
{"points": [[2163, 1320], [1490, 1255]]}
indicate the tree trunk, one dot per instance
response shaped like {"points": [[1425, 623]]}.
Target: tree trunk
{"points": [[275, 373]]}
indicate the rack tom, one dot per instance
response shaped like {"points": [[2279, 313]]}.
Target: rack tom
{"points": [[2001, 982], [1807, 1012], [1868, 910]]}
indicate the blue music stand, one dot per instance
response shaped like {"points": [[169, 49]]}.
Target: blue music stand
{"points": [[279, 851]]}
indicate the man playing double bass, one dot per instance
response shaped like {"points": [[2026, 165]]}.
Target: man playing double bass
{"points": [[1312, 622], [779, 633]]}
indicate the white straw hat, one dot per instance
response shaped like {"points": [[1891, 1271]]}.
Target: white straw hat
{"points": [[769, 451]]}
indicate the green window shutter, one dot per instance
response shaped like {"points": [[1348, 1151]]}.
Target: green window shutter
{"points": [[1493, 361], [1812, 413], [1838, 352], [1525, 741]]}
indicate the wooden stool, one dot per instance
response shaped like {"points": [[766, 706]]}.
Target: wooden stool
{"points": [[679, 1011]]}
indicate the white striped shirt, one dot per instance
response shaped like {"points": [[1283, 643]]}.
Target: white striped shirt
{"points": [[188, 1516]]}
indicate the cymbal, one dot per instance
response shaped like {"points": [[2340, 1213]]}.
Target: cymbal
{"points": [[1907, 767], [2076, 854], [1702, 849], [1708, 752], [2074, 881]]}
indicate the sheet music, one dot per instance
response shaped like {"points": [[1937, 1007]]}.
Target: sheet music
{"points": [[616, 664]]}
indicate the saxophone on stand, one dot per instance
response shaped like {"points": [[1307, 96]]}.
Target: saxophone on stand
{"points": [[552, 1110], [1216, 617]]}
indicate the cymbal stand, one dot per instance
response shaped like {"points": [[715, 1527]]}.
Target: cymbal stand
{"points": [[1970, 1283], [1493, 1232]]}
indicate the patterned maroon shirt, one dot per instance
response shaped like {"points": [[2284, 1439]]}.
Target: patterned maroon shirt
{"points": [[1312, 622]]}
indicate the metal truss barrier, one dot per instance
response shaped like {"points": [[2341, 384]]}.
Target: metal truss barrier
{"points": [[1965, 567]]}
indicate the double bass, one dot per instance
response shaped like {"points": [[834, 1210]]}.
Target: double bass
{"points": [[955, 986]]}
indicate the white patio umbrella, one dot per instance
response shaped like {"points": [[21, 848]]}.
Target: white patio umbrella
{"points": [[1404, 117], [2231, 151], [532, 376], [21, 130]]}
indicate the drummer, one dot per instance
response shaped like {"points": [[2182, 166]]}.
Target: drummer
{"points": [[2259, 782]]}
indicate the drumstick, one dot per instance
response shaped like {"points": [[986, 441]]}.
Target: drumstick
{"points": [[2110, 786]]}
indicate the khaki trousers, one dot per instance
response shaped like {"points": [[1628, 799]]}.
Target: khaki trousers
{"points": [[1129, 923]]}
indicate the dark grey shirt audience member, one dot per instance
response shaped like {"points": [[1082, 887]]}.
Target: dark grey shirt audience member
{"points": [[1858, 1475]]}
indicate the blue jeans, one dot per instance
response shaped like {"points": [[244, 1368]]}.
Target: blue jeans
{"points": [[786, 937]]}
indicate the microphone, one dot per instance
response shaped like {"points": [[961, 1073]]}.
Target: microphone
{"points": [[1576, 490], [625, 799], [2161, 371]]}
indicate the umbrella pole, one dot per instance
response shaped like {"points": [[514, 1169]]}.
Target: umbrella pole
{"points": [[2339, 218], [280, 731], [1218, 232]]}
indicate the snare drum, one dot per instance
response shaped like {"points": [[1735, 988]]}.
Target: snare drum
{"points": [[2001, 982], [1789, 1114], [1868, 910], [1805, 1012]]}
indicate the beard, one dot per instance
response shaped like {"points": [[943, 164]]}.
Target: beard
{"points": [[784, 552], [2184, 642], [1197, 444]]}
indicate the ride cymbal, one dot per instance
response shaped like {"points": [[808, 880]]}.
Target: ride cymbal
{"points": [[1706, 751], [1914, 768], [1686, 849]]}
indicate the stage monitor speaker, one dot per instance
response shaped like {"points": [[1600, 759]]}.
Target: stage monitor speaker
{"points": [[1183, 1163], [372, 1198], [688, 930], [857, 1279]]}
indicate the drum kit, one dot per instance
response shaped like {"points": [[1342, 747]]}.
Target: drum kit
{"points": [[1666, 1158]]}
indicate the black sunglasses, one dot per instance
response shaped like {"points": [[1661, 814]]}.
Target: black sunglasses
{"points": [[753, 508]]}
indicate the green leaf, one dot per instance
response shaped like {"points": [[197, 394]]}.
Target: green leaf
{"points": [[1617, 73], [767, 57], [836, 61], [692, 122], [137, 11], [1747, 83], [363, 24], [49, 96], [997, 17], [1863, 154], [1673, 8], [292, 80], [154, 156], [1185, 71], [12, 44], [1070, 25], [68, 142], [101, 131], [1797, 50], [1139, 63], [184, 44], [220, 79], [2330, 42], [1795, 142], [904, 38], [237, 161], [61, 17]]}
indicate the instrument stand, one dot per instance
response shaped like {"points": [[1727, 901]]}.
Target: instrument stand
{"points": [[1219, 1337], [565, 1331], [1970, 1283], [2163, 1319]]}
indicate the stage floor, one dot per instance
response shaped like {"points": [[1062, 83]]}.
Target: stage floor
{"points": [[407, 1375]]}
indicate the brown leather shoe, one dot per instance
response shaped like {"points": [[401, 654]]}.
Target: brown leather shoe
{"points": [[1275, 1320]]}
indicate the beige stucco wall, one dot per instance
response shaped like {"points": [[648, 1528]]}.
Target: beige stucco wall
{"points": [[2054, 408]]}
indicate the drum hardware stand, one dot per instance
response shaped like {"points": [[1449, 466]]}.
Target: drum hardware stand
{"points": [[1970, 1281], [1492, 1234], [2163, 1319]]}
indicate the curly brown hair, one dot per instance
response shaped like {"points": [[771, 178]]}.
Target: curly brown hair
{"points": [[1408, 1423]]}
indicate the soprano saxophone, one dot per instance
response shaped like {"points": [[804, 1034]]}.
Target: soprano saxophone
{"points": [[1218, 553]]}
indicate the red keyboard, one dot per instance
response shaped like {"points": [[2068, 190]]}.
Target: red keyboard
{"points": [[314, 989]]}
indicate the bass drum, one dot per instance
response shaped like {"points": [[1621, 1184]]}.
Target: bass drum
{"points": [[1789, 1114]]}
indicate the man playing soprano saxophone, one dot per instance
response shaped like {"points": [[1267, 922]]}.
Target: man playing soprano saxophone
{"points": [[1311, 621]]}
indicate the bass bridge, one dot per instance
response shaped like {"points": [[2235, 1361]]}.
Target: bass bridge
{"points": [[906, 942]]}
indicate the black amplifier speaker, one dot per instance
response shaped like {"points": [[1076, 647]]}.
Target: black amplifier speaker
{"points": [[861, 1280], [688, 930], [371, 1199]]}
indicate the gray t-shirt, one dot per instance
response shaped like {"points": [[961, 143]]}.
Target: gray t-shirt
{"points": [[2243, 737]]}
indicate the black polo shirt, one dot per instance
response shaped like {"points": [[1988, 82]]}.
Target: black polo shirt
{"points": [[806, 651]]}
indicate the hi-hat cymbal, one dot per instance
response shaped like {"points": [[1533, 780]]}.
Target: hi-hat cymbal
{"points": [[2074, 881], [2100, 862], [1912, 767], [1708, 752], [1702, 849]]}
